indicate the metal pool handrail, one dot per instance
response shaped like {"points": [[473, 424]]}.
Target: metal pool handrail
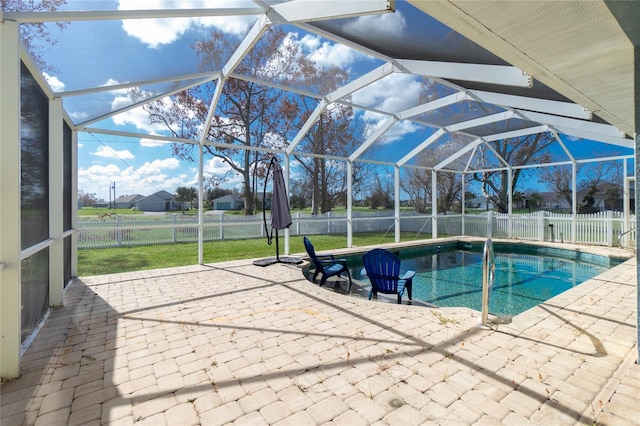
{"points": [[488, 278], [622, 235]]}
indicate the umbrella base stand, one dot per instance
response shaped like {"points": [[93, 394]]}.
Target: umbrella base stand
{"points": [[289, 260]]}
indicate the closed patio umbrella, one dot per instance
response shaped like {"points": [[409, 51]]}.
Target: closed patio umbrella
{"points": [[280, 214]]}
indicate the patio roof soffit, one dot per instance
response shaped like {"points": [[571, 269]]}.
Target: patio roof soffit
{"points": [[570, 37]]}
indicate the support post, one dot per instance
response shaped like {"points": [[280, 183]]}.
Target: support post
{"points": [[396, 201], [349, 204], [434, 204], [10, 221], [56, 207], [574, 203]]}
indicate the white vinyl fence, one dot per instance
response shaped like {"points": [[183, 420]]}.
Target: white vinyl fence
{"points": [[129, 230]]}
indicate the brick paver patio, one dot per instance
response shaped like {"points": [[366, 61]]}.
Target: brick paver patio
{"points": [[234, 343]]}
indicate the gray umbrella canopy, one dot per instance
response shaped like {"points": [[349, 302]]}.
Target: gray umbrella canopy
{"points": [[280, 213]]}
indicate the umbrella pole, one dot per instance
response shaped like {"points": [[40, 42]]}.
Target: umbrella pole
{"points": [[277, 248]]}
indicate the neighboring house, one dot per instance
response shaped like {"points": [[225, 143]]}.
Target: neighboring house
{"points": [[127, 201], [228, 202], [552, 201], [480, 203], [160, 201]]}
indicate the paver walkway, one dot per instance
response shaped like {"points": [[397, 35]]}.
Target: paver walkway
{"points": [[233, 343]]}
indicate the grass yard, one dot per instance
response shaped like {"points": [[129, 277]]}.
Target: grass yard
{"points": [[126, 259]]}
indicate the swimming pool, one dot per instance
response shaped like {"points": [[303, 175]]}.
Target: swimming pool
{"points": [[451, 274]]}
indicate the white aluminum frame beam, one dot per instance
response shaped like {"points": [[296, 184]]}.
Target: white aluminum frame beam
{"points": [[566, 109], [596, 137], [306, 11], [116, 15], [493, 74], [378, 133], [247, 43], [432, 105], [579, 125], [415, 151], [481, 121], [202, 78], [139, 103], [472, 146], [562, 145]]}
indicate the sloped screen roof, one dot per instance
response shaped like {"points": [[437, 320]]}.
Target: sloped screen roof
{"points": [[456, 91]]}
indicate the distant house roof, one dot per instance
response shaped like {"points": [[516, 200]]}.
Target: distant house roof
{"points": [[129, 198], [164, 195]]}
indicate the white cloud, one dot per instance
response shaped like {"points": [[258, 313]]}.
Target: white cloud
{"points": [[149, 178], [326, 54], [394, 93], [383, 26], [215, 166], [136, 116], [112, 82], [140, 118], [108, 152], [54, 82], [398, 131], [78, 116], [152, 143], [156, 32], [156, 167]]}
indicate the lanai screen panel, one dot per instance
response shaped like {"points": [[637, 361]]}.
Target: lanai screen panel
{"points": [[585, 149], [409, 34]]}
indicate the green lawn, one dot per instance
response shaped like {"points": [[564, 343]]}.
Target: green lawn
{"points": [[126, 259], [90, 211]]}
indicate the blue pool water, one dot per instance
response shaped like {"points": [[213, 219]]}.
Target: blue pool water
{"points": [[525, 275]]}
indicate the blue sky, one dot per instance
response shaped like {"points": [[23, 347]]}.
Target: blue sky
{"points": [[98, 53], [143, 165]]}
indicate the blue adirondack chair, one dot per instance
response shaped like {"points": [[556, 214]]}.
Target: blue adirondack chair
{"points": [[327, 265], [383, 269]]}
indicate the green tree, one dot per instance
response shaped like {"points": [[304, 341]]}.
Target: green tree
{"points": [[515, 151], [87, 199], [249, 114], [299, 193], [558, 180], [381, 194], [535, 201], [186, 195], [417, 181], [334, 133]]}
